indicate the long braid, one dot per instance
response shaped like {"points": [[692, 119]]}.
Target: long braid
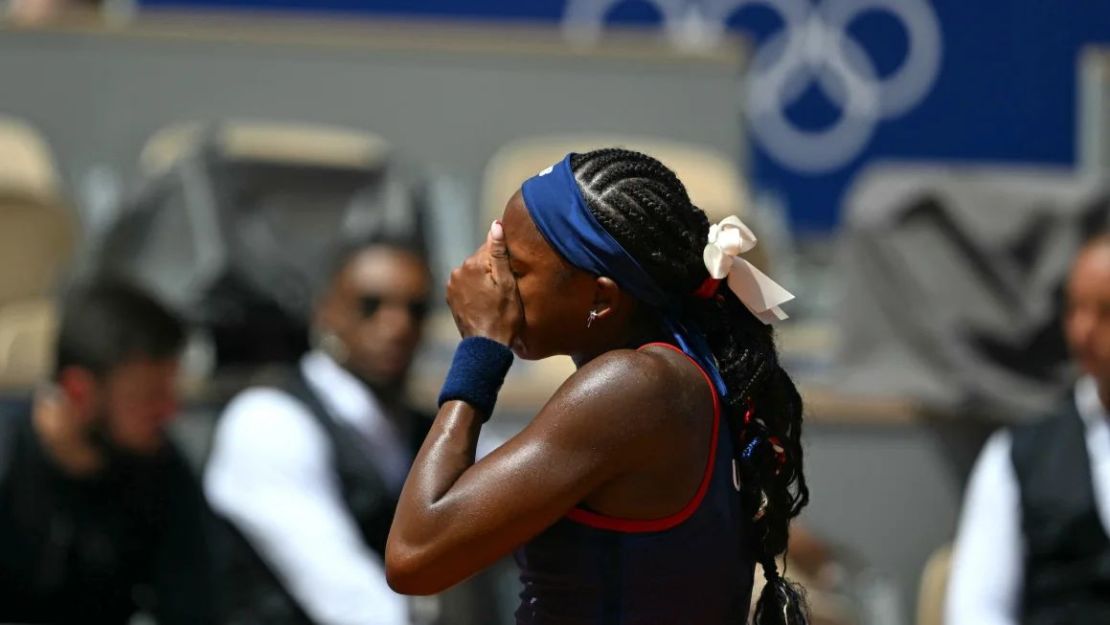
{"points": [[645, 207]]}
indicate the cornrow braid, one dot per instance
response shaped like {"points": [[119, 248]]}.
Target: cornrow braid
{"points": [[646, 208]]}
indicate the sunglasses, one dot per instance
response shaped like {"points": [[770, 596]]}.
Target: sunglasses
{"points": [[371, 304]]}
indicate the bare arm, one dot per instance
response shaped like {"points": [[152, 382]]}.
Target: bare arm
{"points": [[456, 517]]}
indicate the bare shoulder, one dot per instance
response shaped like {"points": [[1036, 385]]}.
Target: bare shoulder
{"points": [[625, 389], [631, 375]]}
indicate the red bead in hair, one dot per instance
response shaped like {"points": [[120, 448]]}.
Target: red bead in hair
{"points": [[708, 288], [780, 452]]}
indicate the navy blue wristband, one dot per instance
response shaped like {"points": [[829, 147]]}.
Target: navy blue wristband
{"points": [[476, 374]]}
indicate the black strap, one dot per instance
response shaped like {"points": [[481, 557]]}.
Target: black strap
{"points": [[363, 488], [251, 600]]}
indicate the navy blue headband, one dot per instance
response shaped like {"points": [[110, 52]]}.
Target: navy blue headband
{"points": [[556, 205], [559, 211]]}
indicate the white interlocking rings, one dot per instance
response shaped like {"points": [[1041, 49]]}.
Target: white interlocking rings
{"points": [[813, 48]]}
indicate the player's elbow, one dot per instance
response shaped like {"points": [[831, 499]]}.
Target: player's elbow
{"points": [[408, 570]]}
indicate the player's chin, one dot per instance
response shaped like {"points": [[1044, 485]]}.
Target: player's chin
{"points": [[524, 349], [520, 350]]}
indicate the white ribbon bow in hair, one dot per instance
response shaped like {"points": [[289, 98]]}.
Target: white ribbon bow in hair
{"points": [[762, 295]]}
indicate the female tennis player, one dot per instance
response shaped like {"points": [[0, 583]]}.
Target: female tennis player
{"points": [[667, 465]]}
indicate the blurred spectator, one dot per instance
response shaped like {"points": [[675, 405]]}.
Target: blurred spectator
{"points": [[308, 475], [99, 515], [1034, 541], [30, 12]]}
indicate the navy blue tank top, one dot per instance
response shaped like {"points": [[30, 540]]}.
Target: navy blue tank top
{"points": [[691, 568]]}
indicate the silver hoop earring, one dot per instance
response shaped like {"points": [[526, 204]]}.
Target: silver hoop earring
{"points": [[590, 319]]}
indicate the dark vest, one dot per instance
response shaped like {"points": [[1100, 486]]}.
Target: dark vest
{"points": [[256, 595], [1067, 560]]}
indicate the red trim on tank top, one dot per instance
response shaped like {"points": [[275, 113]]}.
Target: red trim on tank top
{"points": [[617, 524]]}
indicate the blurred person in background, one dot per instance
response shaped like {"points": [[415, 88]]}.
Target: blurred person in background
{"points": [[34, 12], [100, 516], [1034, 539], [667, 465], [307, 474]]}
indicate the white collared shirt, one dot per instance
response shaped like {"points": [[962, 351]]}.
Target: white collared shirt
{"points": [[988, 556], [271, 473]]}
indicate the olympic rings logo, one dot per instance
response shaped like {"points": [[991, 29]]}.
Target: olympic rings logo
{"points": [[813, 48]]}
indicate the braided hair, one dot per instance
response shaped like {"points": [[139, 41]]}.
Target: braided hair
{"points": [[645, 207]]}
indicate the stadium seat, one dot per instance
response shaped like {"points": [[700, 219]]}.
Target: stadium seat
{"points": [[301, 144], [711, 178], [27, 331], [37, 231], [38, 237]]}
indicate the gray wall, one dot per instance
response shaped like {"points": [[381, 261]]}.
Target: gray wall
{"points": [[1093, 129], [446, 99]]}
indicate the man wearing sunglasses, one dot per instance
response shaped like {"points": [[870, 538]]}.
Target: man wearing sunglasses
{"points": [[307, 474]]}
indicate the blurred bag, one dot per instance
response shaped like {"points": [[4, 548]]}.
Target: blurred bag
{"points": [[953, 285], [239, 235]]}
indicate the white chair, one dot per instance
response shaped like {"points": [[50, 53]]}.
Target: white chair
{"points": [[711, 178], [285, 142], [27, 331], [38, 237]]}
